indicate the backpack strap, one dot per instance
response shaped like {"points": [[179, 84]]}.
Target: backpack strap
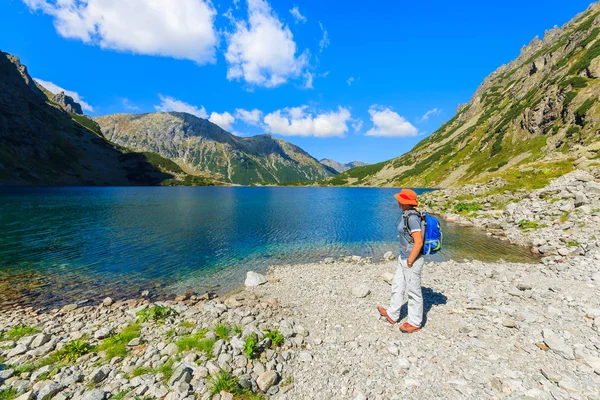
{"points": [[421, 216]]}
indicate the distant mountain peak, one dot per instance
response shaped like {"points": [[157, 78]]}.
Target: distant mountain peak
{"points": [[201, 147], [340, 167]]}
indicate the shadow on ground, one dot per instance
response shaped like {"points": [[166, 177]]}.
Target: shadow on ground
{"points": [[430, 298]]}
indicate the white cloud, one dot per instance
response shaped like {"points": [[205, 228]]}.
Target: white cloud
{"points": [[128, 105], [432, 112], [324, 43], [388, 123], [225, 120], [357, 125], [251, 117], [55, 89], [297, 16], [308, 83], [350, 81], [175, 28], [168, 103], [262, 51], [298, 121]]}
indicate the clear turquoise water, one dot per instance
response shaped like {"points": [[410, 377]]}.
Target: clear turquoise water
{"points": [[60, 245]]}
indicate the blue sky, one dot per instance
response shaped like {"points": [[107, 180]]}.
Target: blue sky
{"points": [[346, 80]]}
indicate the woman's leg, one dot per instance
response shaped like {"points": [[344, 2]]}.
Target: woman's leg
{"points": [[398, 291], [415, 294]]}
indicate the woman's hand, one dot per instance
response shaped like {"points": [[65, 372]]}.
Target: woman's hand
{"points": [[416, 250]]}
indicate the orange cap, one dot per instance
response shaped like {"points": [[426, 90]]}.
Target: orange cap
{"points": [[407, 196]]}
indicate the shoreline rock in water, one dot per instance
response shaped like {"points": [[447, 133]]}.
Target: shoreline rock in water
{"points": [[493, 330]]}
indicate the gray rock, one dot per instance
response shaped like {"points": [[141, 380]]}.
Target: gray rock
{"points": [[389, 256], [266, 380], [305, 356], [40, 340], [387, 277], [254, 279], [100, 374], [95, 394], [49, 391], [103, 333], [183, 373], [557, 344], [26, 396], [107, 302], [67, 103], [17, 351], [170, 350], [361, 291]]}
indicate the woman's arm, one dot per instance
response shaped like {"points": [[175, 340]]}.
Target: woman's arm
{"points": [[416, 250]]}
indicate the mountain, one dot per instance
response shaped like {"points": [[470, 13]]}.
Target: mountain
{"points": [[201, 147], [42, 144], [530, 120], [339, 167]]}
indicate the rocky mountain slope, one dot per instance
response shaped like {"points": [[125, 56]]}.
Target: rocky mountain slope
{"points": [[531, 119], [43, 144], [201, 147], [340, 167]]}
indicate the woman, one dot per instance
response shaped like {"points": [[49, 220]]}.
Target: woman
{"points": [[410, 263]]}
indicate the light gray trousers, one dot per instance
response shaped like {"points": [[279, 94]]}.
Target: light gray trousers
{"points": [[407, 281]]}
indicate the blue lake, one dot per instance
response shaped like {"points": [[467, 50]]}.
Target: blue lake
{"points": [[60, 245]]}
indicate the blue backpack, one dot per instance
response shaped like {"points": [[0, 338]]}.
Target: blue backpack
{"points": [[431, 231]]}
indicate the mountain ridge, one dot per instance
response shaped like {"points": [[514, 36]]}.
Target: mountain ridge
{"points": [[535, 117], [203, 148], [341, 167]]}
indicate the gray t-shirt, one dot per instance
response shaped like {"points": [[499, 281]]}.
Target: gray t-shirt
{"points": [[406, 239]]}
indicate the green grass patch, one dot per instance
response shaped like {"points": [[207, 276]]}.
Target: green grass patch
{"points": [[564, 217], [464, 208], [8, 394], [222, 331], [156, 314], [198, 342], [139, 371], [187, 325], [23, 368], [276, 338], [251, 346], [527, 225], [166, 369], [162, 163], [584, 62], [225, 381], [577, 82], [121, 395], [237, 330], [72, 350], [572, 243], [569, 97], [581, 112], [18, 331], [116, 345], [530, 180]]}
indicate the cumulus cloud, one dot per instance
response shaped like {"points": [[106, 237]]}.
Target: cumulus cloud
{"points": [[181, 29], [225, 120], [55, 89], [168, 103], [389, 123], [299, 121], [432, 112], [262, 51], [324, 43], [251, 117], [297, 15]]}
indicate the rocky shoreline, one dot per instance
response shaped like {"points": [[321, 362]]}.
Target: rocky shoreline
{"points": [[493, 330]]}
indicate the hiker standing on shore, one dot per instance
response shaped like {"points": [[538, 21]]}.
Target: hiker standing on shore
{"points": [[407, 279]]}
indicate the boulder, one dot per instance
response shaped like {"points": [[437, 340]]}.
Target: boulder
{"points": [[107, 302], [254, 279], [558, 345], [266, 380], [49, 391], [387, 277], [389, 256], [95, 394], [67, 103]]}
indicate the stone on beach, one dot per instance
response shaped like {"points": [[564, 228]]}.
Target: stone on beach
{"points": [[361, 291], [254, 279]]}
